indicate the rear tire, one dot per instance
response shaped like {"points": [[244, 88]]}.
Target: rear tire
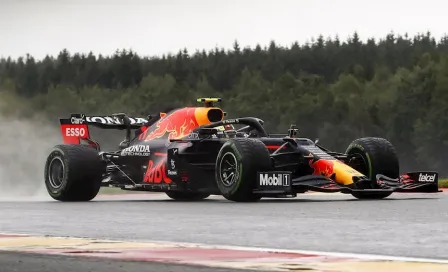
{"points": [[372, 156], [236, 168], [187, 196], [73, 173]]}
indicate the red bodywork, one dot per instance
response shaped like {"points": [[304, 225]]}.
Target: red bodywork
{"points": [[322, 167], [73, 133]]}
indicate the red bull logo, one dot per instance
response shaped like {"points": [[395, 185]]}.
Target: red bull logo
{"points": [[322, 167], [177, 124], [156, 172], [181, 122], [336, 170]]}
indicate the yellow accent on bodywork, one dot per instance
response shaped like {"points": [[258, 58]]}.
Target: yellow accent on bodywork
{"points": [[344, 173], [200, 114], [209, 99]]}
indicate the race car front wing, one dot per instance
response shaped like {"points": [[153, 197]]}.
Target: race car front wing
{"points": [[280, 182]]}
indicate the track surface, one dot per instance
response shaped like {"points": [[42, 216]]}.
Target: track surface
{"points": [[402, 225], [40, 263]]}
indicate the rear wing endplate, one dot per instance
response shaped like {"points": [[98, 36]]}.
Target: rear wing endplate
{"points": [[76, 127]]}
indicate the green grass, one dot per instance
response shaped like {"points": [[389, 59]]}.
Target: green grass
{"points": [[443, 183]]}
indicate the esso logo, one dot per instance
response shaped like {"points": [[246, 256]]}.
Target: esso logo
{"points": [[76, 132]]}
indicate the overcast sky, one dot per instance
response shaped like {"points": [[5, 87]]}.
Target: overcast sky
{"points": [[154, 27]]}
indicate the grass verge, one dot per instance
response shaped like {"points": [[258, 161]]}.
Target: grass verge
{"points": [[443, 183]]}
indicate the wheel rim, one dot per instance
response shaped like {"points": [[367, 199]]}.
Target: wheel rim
{"points": [[228, 169], [359, 163], [56, 173]]}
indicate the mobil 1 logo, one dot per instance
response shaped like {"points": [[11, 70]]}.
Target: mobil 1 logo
{"points": [[277, 179]]}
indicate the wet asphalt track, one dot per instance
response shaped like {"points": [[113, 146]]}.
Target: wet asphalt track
{"points": [[402, 225]]}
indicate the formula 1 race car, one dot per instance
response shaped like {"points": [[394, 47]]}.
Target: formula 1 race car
{"points": [[191, 153]]}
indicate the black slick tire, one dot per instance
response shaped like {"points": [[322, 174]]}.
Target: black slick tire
{"points": [[187, 196], [372, 156], [73, 173], [236, 168]]}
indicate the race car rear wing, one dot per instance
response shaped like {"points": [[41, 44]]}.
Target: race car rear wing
{"points": [[76, 128], [114, 121]]}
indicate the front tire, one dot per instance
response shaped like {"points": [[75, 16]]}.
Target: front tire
{"points": [[372, 156], [73, 173], [237, 165]]}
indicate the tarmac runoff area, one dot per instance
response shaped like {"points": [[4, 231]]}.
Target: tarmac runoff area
{"points": [[123, 230]]}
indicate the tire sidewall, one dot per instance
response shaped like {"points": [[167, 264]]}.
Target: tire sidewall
{"points": [[379, 158], [59, 154], [357, 149], [232, 148], [382, 161]]}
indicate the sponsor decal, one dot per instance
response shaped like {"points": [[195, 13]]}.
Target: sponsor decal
{"points": [[426, 178], [322, 167], [275, 179], [109, 120], [136, 150], [193, 135], [78, 120], [177, 124], [155, 173], [172, 172], [75, 132], [230, 121], [72, 133], [356, 146]]}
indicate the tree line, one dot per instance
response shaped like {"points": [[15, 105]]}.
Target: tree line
{"points": [[335, 90]]}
